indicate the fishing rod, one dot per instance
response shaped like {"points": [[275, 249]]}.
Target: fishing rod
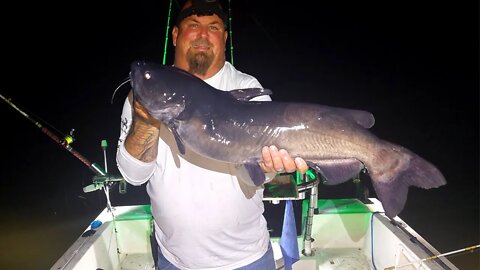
{"points": [[101, 176], [65, 142], [471, 249]]}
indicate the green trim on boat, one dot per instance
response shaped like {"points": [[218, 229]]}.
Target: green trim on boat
{"points": [[141, 212], [337, 206]]}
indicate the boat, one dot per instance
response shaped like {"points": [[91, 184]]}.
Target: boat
{"points": [[348, 233]]}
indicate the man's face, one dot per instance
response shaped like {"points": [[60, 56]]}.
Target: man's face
{"points": [[200, 44]]}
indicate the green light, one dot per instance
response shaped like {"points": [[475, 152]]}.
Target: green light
{"points": [[104, 144], [311, 174], [142, 212], [166, 33]]}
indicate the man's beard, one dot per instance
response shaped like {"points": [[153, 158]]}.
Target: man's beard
{"points": [[198, 63]]}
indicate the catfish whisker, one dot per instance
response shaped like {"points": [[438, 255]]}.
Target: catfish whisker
{"points": [[124, 82]]}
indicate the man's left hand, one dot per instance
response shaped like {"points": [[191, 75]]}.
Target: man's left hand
{"points": [[275, 160]]}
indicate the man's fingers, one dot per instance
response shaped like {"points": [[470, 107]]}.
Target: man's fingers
{"points": [[288, 163], [266, 164], [301, 165], [276, 159]]}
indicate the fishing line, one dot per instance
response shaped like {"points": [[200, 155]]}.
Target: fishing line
{"points": [[230, 32], [471, 249]]}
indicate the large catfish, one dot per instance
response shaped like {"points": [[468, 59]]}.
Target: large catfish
{"points": [[225, 126]]}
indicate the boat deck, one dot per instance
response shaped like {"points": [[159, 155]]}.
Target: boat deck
{"points": [[137, 261], [339, 259], [346, 234]]}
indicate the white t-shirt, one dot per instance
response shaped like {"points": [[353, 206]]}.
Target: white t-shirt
{"points": [[204, 219]]}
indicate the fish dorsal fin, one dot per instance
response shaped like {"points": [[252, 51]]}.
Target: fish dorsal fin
{"points": [[337, 171], [363, 118], [245, 94]]}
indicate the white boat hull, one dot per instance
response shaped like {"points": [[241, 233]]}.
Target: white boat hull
{"points": [[347, 234]]}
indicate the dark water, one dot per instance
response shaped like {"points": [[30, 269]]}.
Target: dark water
{"points": [[34, 237], [413, 65]]}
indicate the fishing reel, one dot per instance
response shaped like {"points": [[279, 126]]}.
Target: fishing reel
{"points": [[103, 179], [100, 182]]}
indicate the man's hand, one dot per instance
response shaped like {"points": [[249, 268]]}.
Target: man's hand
{"points": [[275, 160], [142, 140], [141, 114]]}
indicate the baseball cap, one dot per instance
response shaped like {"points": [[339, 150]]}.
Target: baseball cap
{"points": [[203, 8]]}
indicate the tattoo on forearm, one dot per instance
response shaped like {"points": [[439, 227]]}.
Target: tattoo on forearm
{"points": [[142, 142]]}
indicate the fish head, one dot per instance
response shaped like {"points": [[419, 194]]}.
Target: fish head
{"points": [[158, 89]]}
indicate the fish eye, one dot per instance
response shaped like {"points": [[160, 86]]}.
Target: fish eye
{"points": [[147, 75]]}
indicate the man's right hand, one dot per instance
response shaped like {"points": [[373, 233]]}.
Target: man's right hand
{"points": [[141, 114], [142, 139]]}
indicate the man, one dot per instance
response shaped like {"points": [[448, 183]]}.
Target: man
{"points": [[204, 216]]}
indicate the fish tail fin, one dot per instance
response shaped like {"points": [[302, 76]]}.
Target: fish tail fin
{"points": [[392, 187]]}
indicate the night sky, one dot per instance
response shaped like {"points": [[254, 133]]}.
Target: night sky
{"points": [[413, 65]]}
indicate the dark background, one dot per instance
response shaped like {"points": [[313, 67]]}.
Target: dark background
{"points": [[413, 65]]}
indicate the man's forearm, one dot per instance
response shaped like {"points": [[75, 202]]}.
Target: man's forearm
{"points": [[142, 141]]}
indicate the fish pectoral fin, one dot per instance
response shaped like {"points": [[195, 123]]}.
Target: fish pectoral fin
{"points": [[248, 93], [251, 174], [179, 141], [337, 171]]}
